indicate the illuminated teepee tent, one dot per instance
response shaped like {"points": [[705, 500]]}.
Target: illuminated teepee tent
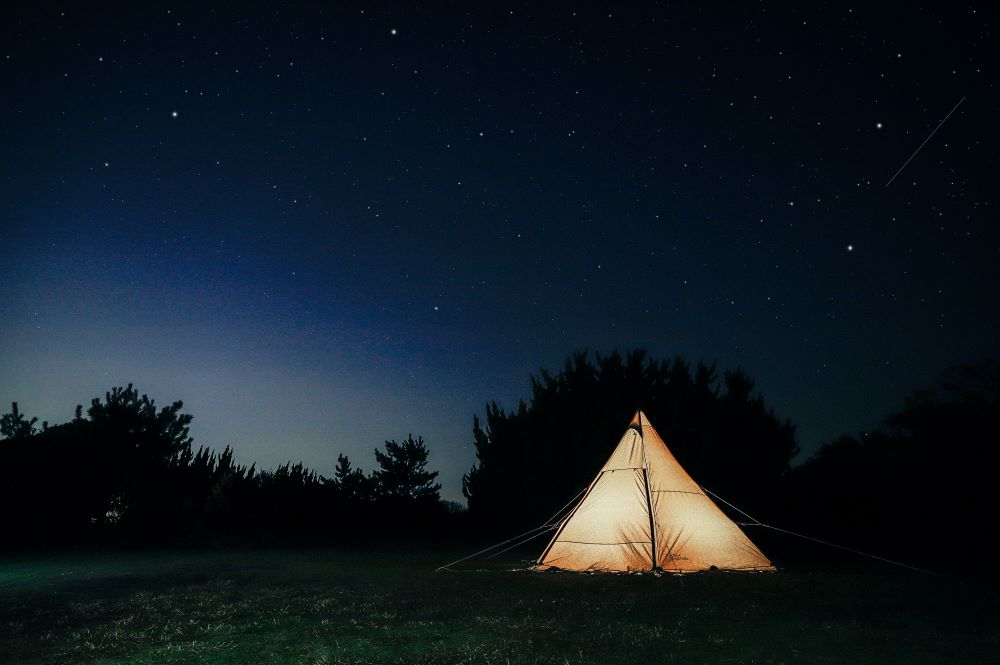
{"points": [[644, 512]]}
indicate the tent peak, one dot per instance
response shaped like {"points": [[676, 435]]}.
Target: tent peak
{"points": [[639, 419]]}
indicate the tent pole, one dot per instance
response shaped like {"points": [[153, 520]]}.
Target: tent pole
{"points": [[649, 507], [649, 497]]}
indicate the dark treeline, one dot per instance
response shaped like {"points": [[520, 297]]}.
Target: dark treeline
{"points": [[922, 486], [126, 472], [916, 488]]}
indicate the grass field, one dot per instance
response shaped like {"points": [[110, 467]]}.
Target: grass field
{"points": [[388, 606]]}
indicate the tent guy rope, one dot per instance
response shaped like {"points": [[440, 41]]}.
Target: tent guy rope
{"points": [[757, 522], [522, 542], [545, 527]]}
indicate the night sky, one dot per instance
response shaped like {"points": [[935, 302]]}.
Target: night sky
{"points": [[326, 227]]}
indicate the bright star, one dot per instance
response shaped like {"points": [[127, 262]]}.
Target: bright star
{"points": [[173, 114], [850, 248]]}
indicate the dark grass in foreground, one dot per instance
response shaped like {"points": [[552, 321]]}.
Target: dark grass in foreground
{"points": [[388, 606]]}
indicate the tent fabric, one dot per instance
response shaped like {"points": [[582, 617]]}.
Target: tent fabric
{"points": [[644, 512]]}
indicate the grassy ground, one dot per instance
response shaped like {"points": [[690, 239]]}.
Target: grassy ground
{"points": [[388, 606]]}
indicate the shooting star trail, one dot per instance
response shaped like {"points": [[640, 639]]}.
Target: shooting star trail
{"points": [[925, 142]]}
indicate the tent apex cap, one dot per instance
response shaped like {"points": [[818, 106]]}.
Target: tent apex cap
{"points": [[639, 419]]}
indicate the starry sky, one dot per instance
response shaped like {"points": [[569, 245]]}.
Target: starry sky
{"points": [[326, 226]]}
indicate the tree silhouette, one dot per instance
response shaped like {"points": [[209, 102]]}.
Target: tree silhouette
{"points": [[142, 449], [921, 486], [402, 472], [159, 437], [15, 425], [351, 484], [531, 460], [117, 470]]}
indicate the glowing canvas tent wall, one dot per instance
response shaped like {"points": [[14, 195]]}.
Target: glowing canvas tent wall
{"points": [[643, 512]]}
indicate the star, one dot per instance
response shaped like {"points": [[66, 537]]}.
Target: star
{"points": [[878, 125], [173, 114], [850, 248], [393, 32]]}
